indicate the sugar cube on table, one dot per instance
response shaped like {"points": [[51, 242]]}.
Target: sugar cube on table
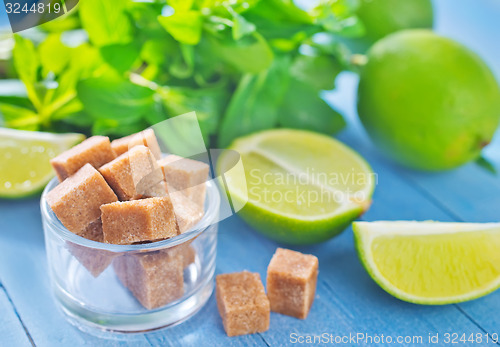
{"points": [[146, 138], [242, 303], [138, 220], [133, 173], [154, 278], [95, 150], [77, 200], [186, 175], [291, 282]]}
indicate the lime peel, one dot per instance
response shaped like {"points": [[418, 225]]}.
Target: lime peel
{"points": [[295, 221]]}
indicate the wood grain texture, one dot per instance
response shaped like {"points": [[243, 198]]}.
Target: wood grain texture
{"points": [[11, 329]]}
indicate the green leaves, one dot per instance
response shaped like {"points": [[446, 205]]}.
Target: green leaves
{"points": [[248, 55], [241, 27], [19, 117], [114, 98], [185, 27], [54, 55], [304, 109], [255, 103], [106, 21], [120, 56], [241, 65], [26, 63], [208, 103]]}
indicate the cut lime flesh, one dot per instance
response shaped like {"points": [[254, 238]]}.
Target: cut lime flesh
{"points": [[24, 166], [431, 262], [300, 187]]}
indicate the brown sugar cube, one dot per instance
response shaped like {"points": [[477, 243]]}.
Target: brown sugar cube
{"points": [[77, 200], [187, 213], [146, 138], [291, 282], [133, 173], [188, 256], [138, 220], [93, 231], [94, 260], [186, 175], [95, 150], [242, 303], [154, 278], [187, 252], [156, 191]]}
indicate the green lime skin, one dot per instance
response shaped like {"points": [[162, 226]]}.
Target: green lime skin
{"points": [[383, 17], [426, 101], [296, 232]]}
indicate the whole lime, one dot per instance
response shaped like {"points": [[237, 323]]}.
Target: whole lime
{"points": [[383, 17], [427, 101]]}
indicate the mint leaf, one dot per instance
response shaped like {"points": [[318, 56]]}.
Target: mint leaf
{"points": [[220, 6], [209, 104], [255, 104], [106, 21], [27, 64], [280, 11], [185, 27], [118, 128], [114, 98], [25, 60], [181, 5], [251, 54], [158, 51], [120, 56], [54, 55], [304, 109], [19, 117], [241, 27]]}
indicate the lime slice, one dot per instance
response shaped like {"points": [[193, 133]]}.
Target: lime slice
{"points": [[431, 263], [301, 187], [25, 155]]}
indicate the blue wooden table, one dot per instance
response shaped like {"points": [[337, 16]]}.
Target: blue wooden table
{"points": [[347, 301]]}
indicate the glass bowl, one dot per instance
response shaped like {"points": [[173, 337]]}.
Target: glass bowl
{"points": [[132, 288]]}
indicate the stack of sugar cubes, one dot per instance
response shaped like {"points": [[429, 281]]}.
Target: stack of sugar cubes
{"points": [[124, 192]]}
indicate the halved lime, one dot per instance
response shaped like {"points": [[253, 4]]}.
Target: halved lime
{"points": [[301, 187], [431, 263], [24, 159]]}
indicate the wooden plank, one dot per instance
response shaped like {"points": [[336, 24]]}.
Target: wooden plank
{"points": [[11, 329], [23, 270]]}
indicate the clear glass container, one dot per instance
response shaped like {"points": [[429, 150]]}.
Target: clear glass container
{"points": [[132, 288]]}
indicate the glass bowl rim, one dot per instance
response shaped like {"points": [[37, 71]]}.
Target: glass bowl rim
{"points": [[211, 213]]}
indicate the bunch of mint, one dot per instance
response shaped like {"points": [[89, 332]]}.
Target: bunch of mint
{"points": [[116, 67]]}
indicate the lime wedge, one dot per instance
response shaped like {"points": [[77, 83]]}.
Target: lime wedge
{"points": [[431, 263], [24, 159], [301, 187]]}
